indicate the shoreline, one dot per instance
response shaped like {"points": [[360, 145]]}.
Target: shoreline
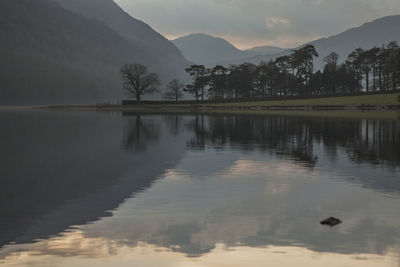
{"points": [[141, 110], [202, 108], [348, 106], [131, 111]]}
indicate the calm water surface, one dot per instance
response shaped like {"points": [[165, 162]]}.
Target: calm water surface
{"points": [[87, 189]]}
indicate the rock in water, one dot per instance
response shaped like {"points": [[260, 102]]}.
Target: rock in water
{"points": [[331, 221]]}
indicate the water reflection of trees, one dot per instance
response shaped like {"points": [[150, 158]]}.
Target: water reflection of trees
{"points": [[365, 140], [174, 123], [374, 141], [138, 133]]}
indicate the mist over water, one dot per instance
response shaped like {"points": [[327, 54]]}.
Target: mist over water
{"points": [[89, 189]]}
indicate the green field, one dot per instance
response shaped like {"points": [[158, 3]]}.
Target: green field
{"points": [[379, 99], [244, 107]]}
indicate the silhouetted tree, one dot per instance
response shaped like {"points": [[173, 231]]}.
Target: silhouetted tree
{"points": [[284, 65], [392, 64], [346, 80], [303, 61], [262, 77], [354, 63], [294, 74], [137, 81], [199, 74], [240, 80], [330, 72], [218, 82], [174, 90], [367, 61]]}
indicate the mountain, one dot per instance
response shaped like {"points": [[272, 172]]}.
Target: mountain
{"points": [[135, 31], [205, 49], [375, 33], [54, 55], [265, 50]]}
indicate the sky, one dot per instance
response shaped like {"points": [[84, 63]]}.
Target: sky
{"points": [[249, 23]]}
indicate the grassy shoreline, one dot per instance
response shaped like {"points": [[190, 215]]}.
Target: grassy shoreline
{"points": [[343, 106], [377, 99], [351, 114]]}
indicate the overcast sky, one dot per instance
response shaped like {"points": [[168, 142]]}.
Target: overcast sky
{"points": [[248, 23]]}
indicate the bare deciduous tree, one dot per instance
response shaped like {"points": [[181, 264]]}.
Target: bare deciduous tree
{"points": [[174, 90], [137, 81]]}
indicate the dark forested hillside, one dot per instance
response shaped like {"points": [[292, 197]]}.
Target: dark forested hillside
{"points": [[136, 31], [52, 55]]}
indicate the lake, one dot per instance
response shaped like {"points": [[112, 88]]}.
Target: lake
{"points": [[112, 189]]}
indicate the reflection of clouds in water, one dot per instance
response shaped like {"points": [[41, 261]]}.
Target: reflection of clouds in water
{"points": [[271, 168], [277, 205], [74, 249], [202, 166], [251, 203], [238, 196], [247, 214]]}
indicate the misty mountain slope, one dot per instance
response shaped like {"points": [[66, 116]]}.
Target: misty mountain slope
{"points": [[375, 33], [132, 29], [265, 50], [50, 55], [368, 35], [205, 49], [209, 50]]}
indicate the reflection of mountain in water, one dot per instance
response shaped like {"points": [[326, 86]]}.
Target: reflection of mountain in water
{"points": [[260, 201], [282, 204], [63, 169]]}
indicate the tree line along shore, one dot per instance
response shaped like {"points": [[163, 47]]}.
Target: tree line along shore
{"points": [[367, 80], [376, 70]]}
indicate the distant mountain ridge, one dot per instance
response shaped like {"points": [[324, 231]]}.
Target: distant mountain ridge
{"points": [[265, 50], [375, 33], [53, 55], [205, 49]]}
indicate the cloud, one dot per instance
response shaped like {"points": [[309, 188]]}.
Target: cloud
{"points": [[257, 22], [274, 22]]}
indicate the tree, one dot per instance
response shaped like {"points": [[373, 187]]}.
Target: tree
{"points": [[137, 81], [303, 61], [347, 80], [199, 74], [284, 64], [261, 78], [367, 59], [354, 64], [392, 62], [174, 90], [330, 72], [218, 82], [293, 74], [332, 59], [240, 80]]}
